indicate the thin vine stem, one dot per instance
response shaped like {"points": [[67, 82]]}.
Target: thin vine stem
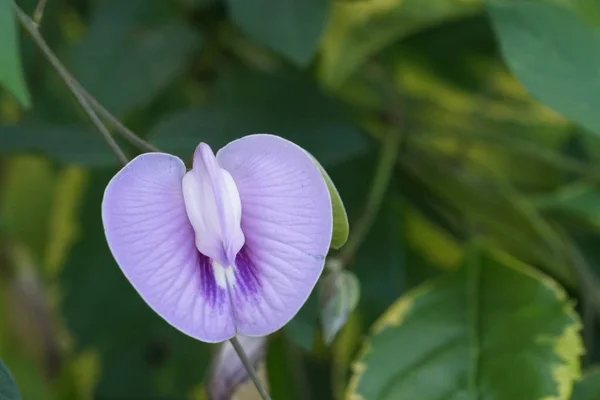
{"points": [[31, 28], [76, 87], [248, 365], [38, 13], [389, 153], [114, 121]]}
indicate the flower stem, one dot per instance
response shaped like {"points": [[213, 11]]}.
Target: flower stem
{"points": [[38, 13], [381, 179], [114, 121], [249, 368], [31, 28], [78, 90]]}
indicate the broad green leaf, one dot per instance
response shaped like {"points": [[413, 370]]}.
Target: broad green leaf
{"points": [[8, 387], [459, 97], [359, 29], [292, 28], [556, 65], [480, 134], [432, 241], [341, 228], [580, 200], [125, 60], [288, 106], [494, 329], [140, 353], [587, 9], [67, 144], [11, 70], [498, 211], [588, 388]]}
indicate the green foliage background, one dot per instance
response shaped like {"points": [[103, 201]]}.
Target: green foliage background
{"points": [[462, 135]]}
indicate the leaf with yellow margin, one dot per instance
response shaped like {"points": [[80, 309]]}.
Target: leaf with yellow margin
{"points": [[496, 328], [359, 29]]}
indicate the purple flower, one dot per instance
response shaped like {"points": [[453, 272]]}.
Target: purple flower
{"points": [[232, 247]]}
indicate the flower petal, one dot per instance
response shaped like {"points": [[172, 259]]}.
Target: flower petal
{"points": [[287, 223], [152, 240]]}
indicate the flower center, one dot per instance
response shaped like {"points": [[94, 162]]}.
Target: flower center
{"points": [[213, 206]]}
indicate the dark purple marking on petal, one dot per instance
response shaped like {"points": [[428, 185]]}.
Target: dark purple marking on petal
{"points": [[208, 283], [246, 274]]}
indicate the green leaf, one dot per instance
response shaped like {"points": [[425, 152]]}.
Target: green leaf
{"points": [[67, 144], [11, 71], [288, 106], [514, 223], [140, 353], [8, 387], [580, 200], [292, 28], [588, 388], [359, 29], [496, 328], [555, 65], [341, 228], [588, 10], [125, 60], [458, 94]]}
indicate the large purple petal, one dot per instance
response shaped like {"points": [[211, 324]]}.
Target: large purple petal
{"points": [[152, 240], [287, 223]]}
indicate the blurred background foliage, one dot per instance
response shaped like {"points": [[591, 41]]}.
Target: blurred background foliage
{"points": [[461, 134]]}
